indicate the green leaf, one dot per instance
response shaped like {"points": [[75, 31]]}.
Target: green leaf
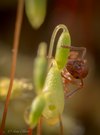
{"points": [[53, 92], [36, 110], [40, 68], [36, 12], [62, 54]]}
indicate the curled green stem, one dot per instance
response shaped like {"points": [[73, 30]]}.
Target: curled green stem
{"points": [[57, 28]]}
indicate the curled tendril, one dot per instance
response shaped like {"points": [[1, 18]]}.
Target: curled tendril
{"points": [[57, 28]]}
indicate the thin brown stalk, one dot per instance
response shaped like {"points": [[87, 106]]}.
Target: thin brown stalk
{"points": [[29, 131], [39, 128], [14, 59], [61, 126]]}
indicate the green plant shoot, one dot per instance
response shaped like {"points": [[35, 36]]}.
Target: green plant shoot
{"points": [[49, 102], [36, 12], [46, 104], [54, 95], [36, 110], [61, 55], [40, 68]]}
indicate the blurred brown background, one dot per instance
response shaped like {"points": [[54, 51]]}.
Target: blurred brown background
{"points": [[82, 17]]}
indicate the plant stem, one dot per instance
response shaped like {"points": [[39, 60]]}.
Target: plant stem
{"points": [[39, 128], [60, 26], [61, 126], [29, 131], [14, 59]]}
